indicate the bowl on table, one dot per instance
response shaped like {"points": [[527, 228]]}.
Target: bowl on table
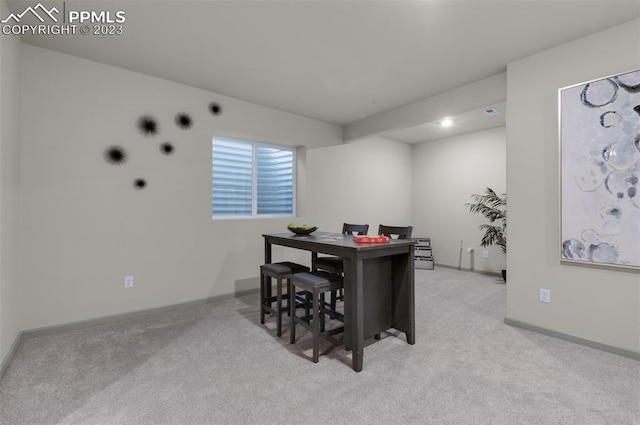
{"points": [[305, 230]]}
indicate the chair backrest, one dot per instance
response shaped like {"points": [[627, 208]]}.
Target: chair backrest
{"points": [[350, 229], [401, 232]]}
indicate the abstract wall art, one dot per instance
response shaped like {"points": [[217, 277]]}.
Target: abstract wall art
{"points": [[167, 148], [139, 184], [148, 125], [184, 121], [215, 108], [115, 155], [599, 171]]}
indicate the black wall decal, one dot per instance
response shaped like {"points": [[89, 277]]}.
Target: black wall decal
{"points": [[115, 155], [215, 108], [167, 148], [139, 183], [148, 125], [184, 121]]}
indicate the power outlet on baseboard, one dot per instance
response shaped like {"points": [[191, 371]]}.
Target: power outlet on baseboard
{"points": [[545, 295]]}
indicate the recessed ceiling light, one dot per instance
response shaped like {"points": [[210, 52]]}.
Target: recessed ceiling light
{"points": [[447, 122], [491, 112]]}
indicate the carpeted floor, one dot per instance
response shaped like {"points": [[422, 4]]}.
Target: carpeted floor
{"points": [[215, 364]]}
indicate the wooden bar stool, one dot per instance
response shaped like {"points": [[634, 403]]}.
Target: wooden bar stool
{"points": [[281, 272], [316, 283]]}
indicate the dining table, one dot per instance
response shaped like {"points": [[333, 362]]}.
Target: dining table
{"points": [[378, 284]]}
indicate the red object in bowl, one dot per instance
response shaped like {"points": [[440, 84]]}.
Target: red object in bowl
{"points": [[370, 239]]}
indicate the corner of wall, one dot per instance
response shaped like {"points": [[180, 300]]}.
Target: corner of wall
{"points": [[10, 114]]}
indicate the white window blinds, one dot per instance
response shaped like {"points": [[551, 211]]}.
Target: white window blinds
{"points": [[251, 179]]}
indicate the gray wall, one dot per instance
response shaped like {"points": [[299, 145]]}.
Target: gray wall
{"points": [[9, 165], [366, 182], [446, 173], [596, 303], [84, 227]]}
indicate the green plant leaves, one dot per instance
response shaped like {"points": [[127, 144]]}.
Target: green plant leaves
{"points": [[494, 208]]}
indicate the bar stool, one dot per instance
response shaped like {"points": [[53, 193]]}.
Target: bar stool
{"points": [[316, 283], [280, 272]]}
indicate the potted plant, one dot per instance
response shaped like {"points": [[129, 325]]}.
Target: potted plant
{"points": [[494, 208]]}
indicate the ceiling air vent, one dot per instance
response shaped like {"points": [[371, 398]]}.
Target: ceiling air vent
{"points": [[491, 112]]}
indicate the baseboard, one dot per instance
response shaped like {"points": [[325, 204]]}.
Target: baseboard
{"points": [[624, 352], [82, 324], [12, 351], [484, 272]]}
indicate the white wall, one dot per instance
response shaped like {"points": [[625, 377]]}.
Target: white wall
{"points": [[446, 173], [596, 303], [84, 227], [9, 166], [366, 182]]}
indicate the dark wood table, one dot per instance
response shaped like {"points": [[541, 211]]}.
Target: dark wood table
{"points": [[378, 284]]}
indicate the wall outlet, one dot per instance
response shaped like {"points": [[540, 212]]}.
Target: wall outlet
{"points": [[128, 281], [485, 254], [545, 295]]}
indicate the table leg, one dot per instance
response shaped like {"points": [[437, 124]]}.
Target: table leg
{"points": [[411, 295], [267, 251], [266, 294], [404, 295], [354, 312], [411, 334]]}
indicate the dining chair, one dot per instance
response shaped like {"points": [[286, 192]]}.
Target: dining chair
{"points": [[316, 283], [281, 272], [396, 232], [333, 264]]}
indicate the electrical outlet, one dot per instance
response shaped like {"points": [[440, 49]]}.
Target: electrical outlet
{"points": [[128, 281], [545, 295], [485, 254]]}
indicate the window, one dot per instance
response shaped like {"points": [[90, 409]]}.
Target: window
{"points": [[252, 179]]}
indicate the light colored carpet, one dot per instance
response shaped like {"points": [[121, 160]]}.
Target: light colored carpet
{"points": [[215, 364]]}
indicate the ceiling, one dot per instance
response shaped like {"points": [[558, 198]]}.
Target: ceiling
{"points": [[336, 61], [465, 122]]}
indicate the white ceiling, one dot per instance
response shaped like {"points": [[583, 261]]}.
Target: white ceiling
{"points": [[336, 61]]}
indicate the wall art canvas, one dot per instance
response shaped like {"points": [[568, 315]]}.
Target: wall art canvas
{"points": [[600, 168]]}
